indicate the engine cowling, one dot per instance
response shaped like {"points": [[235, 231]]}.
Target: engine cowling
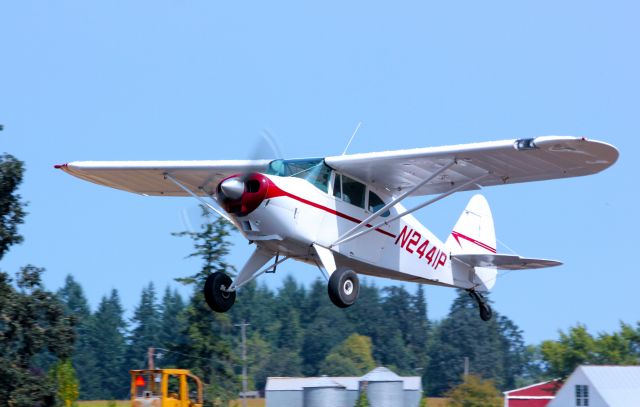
{"points": [[240, 194]]}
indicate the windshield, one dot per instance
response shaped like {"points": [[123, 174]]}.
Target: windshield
{"points": [[313, 170]]}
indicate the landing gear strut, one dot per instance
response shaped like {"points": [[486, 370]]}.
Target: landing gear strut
{"points": [[216, 294], [485, 308], [343, 287]]}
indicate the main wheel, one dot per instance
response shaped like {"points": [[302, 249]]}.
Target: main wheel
{"points": [[343, 287], [218, 299]]}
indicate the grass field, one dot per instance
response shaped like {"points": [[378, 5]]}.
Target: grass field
{"points": [[431, 402]]}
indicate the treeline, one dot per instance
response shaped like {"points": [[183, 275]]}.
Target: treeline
{"points": [[294, 331]]}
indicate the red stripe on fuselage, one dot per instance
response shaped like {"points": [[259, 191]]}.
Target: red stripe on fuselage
{"points": [[457, 235], [274, 192]]}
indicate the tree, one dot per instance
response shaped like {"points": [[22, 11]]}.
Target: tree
{"points": [[418, 334], [66, 381], [325, 326], [83, 359], [579, 347], [11, 207], [211, 244], [475, 392], [362, 401], [353, 357], [109, 346], [32, 322], [490, 347], [573, 349], [208, 335], [171, 336], [146, 329]]}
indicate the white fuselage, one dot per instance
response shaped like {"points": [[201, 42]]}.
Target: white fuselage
{"points": [[297, 215]]}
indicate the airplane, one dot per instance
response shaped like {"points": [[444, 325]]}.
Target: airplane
{"points": [[344, 214]]}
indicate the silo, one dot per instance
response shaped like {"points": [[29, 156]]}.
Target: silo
{"points": [[324, 392], [384, 388]]}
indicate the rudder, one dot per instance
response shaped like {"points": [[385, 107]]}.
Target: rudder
{"points": [[474, 233]]}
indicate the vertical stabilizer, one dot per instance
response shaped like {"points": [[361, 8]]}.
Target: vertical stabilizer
{"points": [[474, 234]]}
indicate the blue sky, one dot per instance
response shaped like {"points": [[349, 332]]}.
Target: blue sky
{"points": [[154, 80]]}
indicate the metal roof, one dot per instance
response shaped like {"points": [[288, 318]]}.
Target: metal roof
{"points": [[322, 382], [350, 383], [381, 374], [618, 385]]}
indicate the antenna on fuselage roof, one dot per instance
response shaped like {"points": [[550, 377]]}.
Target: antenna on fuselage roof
{"points": [[351, 139]]}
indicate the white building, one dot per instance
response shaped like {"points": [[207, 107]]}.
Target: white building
{"points": [[343, 391], [600, 386]]}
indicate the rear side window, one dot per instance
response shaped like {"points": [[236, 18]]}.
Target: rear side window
{"points": [[375, 204], [353, 191]]}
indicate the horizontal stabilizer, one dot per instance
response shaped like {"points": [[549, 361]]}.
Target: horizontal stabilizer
{"points": [[503, 261]]}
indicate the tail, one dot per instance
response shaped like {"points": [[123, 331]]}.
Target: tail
{"points": [[474, 233]]}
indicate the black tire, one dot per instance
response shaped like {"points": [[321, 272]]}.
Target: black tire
{"points": [[343, 287], [485, 312], [217, 299]]}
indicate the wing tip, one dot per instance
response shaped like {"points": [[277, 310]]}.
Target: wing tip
{"points": [[61, 166]]}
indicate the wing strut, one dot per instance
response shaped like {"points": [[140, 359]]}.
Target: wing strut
{"points": [[415, 208], [394, 201], [199, 198]]}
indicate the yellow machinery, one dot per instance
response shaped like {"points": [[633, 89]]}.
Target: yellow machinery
{"points": [[165, 388]]}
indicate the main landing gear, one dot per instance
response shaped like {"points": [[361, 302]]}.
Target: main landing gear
{"points": [[485, 308], [216, 292], [343, 287]]}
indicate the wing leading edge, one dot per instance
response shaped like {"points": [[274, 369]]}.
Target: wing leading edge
{"points": [[147, 177], [505, 162]]}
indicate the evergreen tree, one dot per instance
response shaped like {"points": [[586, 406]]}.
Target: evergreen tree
{"points": [[514, 352], [83, 359], [146, 329], [208, 335], [108, 342], [462, 334], [11, 207], [399, 322], [418, 335], [325, 328], [350, 358], [286, 359], [257, 305], [171, 336]]}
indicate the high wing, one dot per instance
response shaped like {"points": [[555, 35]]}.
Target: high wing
{"points": [[148, 177], [504, 261], [503, 162]]}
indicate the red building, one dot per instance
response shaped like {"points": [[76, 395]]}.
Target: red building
{"points": [[536, 395]]}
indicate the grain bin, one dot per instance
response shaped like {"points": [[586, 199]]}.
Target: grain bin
{"points": [[384, 388], [324, 392]]}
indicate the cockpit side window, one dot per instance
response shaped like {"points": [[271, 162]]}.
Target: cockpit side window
{"points": [[353, 191], [337, 187], [376, 203]]}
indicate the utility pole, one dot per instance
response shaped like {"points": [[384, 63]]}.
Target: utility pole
{"points": [[243, 328], [466, 367], [150, 358]]}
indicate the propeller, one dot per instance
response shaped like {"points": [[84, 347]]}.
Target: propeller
{"points": [[265, 147]]}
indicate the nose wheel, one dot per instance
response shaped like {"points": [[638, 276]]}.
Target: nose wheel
{"points": [[485, 309], [343, 287], [216, 294]]}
